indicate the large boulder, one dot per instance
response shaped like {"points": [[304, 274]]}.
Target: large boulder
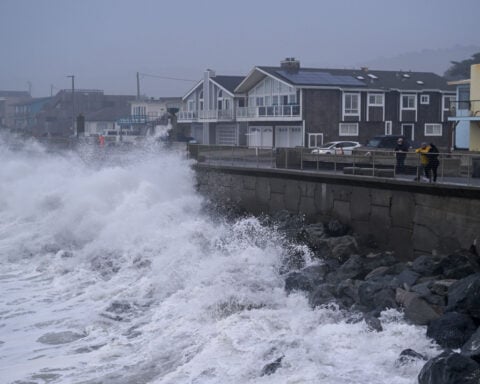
{"points": [[472, 347], [451, 330], [458, 265], [338, 248], [450, 368], [323, 294], [416, 309], [464, 296], [306, 279], [425, 265]]}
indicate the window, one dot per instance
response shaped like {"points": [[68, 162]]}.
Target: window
{"points": [[375, 100], [220, 100], [388, 127], [408, 102], [348, 129], [315, 140], [425, 99], [433, 129], [259, 101], [201, 101], [351, 103], [448, 101]]}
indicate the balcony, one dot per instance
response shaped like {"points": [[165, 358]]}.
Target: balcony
{"points": [[275, 112], [207, 115]]}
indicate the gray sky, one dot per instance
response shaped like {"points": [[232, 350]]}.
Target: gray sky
{"points": [[105, 42]]}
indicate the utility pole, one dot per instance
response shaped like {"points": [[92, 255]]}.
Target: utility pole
{"points": [[73, 102], [138, 86]]}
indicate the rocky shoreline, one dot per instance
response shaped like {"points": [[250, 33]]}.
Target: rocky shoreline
{"points": [[441, 292]]}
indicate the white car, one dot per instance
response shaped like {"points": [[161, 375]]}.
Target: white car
{"points": [[336, 148]]}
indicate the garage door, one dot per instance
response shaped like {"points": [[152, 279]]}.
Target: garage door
{"points": [[288, 137], [226, 135], [261, 137]]}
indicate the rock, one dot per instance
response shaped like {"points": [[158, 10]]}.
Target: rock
{"points": [[323, 294], [347, 291], [376, 295], [336, 229], [457, 266], [472, 347], [424, 290], [451, 330], [270, 368], [376, 260], [425, 265], [339, 248], [406, 278], [417, 310], [464, 296], [373, 323], [450, 368], [440, 287], [313, 234], [306, 279], [408, 356], [377, 272], [351, 269]]}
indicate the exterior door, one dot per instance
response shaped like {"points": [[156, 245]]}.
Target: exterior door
{"points": [[408, 131], [261, 137]]}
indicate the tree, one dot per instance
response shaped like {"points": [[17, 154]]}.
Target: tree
{"points": [[461, 69]]}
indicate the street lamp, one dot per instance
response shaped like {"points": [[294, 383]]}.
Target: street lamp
{"points": [[73, 102]]}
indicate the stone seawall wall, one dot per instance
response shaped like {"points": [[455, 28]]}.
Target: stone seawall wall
{"points": [[405, 217]]}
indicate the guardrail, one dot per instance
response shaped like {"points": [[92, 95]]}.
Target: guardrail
{"points": [[456, 168]]}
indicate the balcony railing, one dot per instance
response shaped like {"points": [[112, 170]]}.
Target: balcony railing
{"points": [[212, 114], [187, 115], [269, 111]]}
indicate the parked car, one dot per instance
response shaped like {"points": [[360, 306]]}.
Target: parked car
{"points": [[336, 147], [385, 142]]}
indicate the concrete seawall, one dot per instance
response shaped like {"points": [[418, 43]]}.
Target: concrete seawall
{"points": [[403, 216]]}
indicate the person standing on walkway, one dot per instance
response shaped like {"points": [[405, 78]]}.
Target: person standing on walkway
{"points": [[423, 150], [433, 163], [401, 150]]}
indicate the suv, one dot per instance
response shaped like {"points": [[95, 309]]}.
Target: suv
{"points": [[385, 142]]}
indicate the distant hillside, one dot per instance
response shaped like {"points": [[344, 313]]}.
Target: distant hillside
{"points": [[427, 60]]}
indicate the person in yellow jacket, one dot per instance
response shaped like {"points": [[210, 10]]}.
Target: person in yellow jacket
{"points": [[423, 150]]}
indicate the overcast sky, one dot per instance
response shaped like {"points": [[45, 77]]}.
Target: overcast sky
{"points": [[104, 43]]}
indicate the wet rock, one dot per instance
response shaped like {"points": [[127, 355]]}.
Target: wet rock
{"points": [[472, 347], [323, 294], [407, 278], [441, 287], [458, 265], [335, 228], [408, 356], [373, 323], [464, 296], [451, 330], [425, 265], [450, 368], [306, 279], [272, 367], [376, 260], [425, 292], [313, 234], [417, 310]]}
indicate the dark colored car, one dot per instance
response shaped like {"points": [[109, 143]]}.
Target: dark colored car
{"points": [[387, 142]]}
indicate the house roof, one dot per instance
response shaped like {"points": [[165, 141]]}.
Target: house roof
{"points": [[349, 78], [14, 94], [228, 83]]}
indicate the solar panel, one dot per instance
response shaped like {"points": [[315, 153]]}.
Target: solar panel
{"points": [[320, 78]]}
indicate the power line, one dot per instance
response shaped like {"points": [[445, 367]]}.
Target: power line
{"points": [[168, 78]]}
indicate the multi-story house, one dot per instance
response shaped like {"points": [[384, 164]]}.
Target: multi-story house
{"points": [[149, 115], [289, 106], [208, 112], [466, 119]]}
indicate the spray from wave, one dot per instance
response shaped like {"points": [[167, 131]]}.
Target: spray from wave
{"points": [[112, 272]]}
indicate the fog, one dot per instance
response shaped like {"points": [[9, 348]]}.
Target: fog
{"points": [[104, 43]]}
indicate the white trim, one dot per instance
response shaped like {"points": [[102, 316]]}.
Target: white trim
{"points": [[426, 101], [359, 99], [343, 124], [192, 90], [388, 127], [433, 125], [375, 105]]}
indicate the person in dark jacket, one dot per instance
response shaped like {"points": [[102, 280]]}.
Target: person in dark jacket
{"points": [[433, 163], [401, 150]]}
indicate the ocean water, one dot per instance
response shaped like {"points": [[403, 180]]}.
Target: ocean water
{"points": [[111, 271]]}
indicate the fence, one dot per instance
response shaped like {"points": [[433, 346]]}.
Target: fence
{"points": [[457, 168]]}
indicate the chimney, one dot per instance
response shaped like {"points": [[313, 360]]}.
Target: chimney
{"points": [[290, 64]]}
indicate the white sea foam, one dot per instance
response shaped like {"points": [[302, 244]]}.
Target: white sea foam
{"points": [[110, 272]]}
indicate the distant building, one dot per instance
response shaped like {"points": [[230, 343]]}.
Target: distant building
{"points": [[8, 101], [467, 111]]}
